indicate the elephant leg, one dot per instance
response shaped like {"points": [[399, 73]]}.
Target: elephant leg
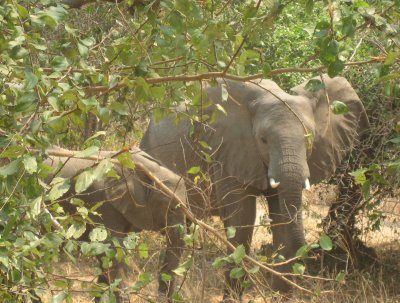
{"points": [[238, 210], [109, 275], [173, 253]]}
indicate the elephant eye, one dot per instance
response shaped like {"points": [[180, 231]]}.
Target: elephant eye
{"points": [[263, 140]]}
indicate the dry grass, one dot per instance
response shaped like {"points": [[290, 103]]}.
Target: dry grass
{"points": [[204, 283]]}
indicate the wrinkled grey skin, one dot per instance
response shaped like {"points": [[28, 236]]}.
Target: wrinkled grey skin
{"points": [[132, 203], [261, 137]]}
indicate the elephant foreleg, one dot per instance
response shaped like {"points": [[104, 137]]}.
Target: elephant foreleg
{"points": [[109, 275], [238, 210], [173, 253]]}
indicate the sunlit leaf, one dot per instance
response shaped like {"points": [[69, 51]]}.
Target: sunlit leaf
{"points": [[90, 151], [194, 170], [84, 180], [239, 254], [339, 108], [314, 85], [126, 160], [98, 234], [59, 63], [30, 164], [184, 267], [59, 187], [325, 242], [230, 232], [298, 268], [237, 273], [10, 169]]}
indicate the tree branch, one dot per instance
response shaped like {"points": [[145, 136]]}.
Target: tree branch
{"points": [[213, 75]]}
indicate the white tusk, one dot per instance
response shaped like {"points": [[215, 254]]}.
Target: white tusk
{"points": [[273, 183], [307, 185]]}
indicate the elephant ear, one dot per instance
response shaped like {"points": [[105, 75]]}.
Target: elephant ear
{"points": [[335, 134], [231, 135]]}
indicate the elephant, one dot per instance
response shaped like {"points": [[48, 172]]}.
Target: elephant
{"points": [[264, 141], [130, 204]]}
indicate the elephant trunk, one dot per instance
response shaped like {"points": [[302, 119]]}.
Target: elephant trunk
{"points": [[290, 202], [291, 171], [288, 233]]}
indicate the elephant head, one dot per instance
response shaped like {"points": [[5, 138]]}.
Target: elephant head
{"points": [[266, 129]]}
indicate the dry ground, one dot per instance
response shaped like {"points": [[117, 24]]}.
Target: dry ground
{"points": [[204, 283]]}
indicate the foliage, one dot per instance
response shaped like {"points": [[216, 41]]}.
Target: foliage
{"points": [[62, 69]]}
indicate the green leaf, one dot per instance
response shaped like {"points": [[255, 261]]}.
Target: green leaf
{"points": [[96, 135], [61, 296], [83, 50], [166, 277], [120, 108], [108, 297], [131, 240], [221, 109], [333, 47], [36, 206], [126, 160], [325, 242], [194, 170], [59, 63], [303, 251], [84, 180], [298, 268], [314, 85], [391, 58], [102, 169], [30, 164], [335, 68], [349, 26], [143, 251], [18, 52], [230, 232], [22, 11], [98, 234], [90, 151], [205, 145], [94, 248], [10, 169], [76, 230], [237, 273], [254, 270], [219, 262], [239, 254], [59, 188], [30, 79], [184, 267], [339, 108], [144, 279], [13, 151], [266, 69], [340, 277], [359, 175], [51, 16]]}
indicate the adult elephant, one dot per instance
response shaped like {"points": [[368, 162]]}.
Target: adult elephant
{"points": [[268, 143]]}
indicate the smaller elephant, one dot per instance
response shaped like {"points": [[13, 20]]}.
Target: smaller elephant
{"points": [[130, 204]]}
